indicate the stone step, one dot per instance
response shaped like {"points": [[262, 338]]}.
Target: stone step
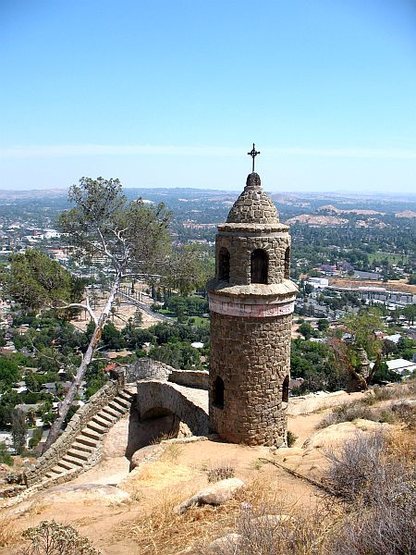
{"points": [[79, 446], [126, 395], [105, 416], [97, 428], [66, 465], [54, 472], [90, 434], [120, 408], [87, 439], [97, 419], [122, 401], [112, 413], [81, 455], [73, 460]]}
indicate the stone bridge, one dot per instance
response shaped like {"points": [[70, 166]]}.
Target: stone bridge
{"points": [[157, 398]]}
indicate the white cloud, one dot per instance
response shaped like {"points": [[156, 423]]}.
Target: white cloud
{"points": [[65, 151]]}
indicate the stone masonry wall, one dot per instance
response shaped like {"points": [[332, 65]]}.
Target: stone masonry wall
{"points": [[148, 369], [240, 249], [252, 356], [190, 378], [155, 399]]}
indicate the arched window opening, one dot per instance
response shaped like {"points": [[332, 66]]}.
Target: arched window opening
{"points": [[285, 390], [224, 264], [218, 393], [259, 266], [287, 263]]}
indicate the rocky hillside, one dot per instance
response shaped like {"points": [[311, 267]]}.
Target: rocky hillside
{"points": [[205, 496]]}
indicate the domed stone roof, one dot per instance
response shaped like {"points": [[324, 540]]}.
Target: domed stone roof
{"points": [[253, 205]]}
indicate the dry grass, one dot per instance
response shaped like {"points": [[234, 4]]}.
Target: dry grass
{"points": [[399, 412], [293, 531], [161, 474], [401, 446], [166, 436], [161, 532], [8, 533], [171, 452], [221, 471], [376, 476]]}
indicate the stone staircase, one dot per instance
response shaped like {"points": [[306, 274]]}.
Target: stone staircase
{"points": [[84, 451], [78, 448]]}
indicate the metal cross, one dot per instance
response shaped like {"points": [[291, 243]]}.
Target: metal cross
{"points": [[253, 153]]}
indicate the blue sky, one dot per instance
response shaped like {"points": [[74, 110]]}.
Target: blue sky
{"points": [[173, 93]]}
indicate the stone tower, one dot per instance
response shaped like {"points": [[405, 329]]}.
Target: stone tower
{"points": [[251, 300]]}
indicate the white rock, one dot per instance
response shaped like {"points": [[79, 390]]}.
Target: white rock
{"points": [[226, 545], [216, 494]]}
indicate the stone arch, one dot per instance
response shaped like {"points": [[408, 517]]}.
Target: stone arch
{"points": [[218, 393], [287, 263], [285, 390], [259, 266], [224, 264], [156, 399]]}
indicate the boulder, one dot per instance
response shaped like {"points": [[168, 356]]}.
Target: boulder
{"points": [[216, 494], [226, 545], [337, 434], [145, 454]]}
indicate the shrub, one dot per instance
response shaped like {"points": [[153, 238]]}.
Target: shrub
{"points": [[220, 472], [5, 456], [52, 538], [8, 532], [382, 489], [265, 533], [356, 469], [346, 413], [405, 412], [384, 528], [291, 438]]}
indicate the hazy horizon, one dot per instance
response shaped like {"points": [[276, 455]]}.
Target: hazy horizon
{"points": [[343, 193]]}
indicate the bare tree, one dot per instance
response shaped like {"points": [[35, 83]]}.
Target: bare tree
{"points": [[121, 238]]}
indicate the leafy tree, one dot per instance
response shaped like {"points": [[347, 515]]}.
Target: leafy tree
{"points": [[9, 371], [389, 347], [126, 238], [8, 401], [314, 362], [410, 313], [191, 306], [135, 337], [323, 324], [189, 269], [363, 326], [5, 457], [406, 347], [306, 330], [179, 355], [36, 437], [19, 430], [382, 374], [36, 281], [112, 337]]}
